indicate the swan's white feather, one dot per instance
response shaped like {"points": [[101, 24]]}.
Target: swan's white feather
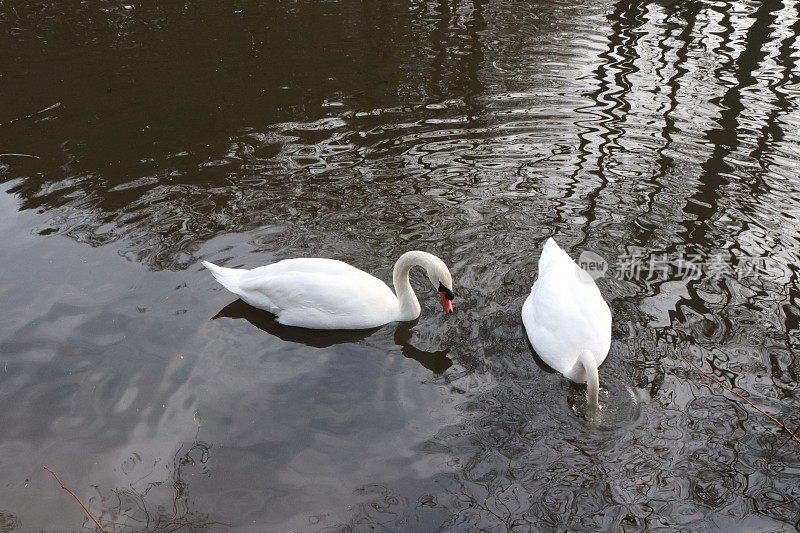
{"points": [[313, 293], [565, 313]]}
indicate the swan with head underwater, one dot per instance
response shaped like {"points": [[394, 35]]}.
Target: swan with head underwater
{"points": [[320, 293], [567, 320]]}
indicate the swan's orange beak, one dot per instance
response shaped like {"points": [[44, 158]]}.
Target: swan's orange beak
{"points": [[447, 304]]}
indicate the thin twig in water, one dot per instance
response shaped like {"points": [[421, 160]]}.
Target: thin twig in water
{"points": [[722, 384], [783, 503], [527, 164], [45, 110], [791, 437], [494, 64], [85, 509], [22, 155]]}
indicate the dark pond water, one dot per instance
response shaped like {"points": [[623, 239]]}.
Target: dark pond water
{"points": [[655, 134]]}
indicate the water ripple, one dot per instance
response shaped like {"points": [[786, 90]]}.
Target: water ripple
{"points": [[472, 129]]}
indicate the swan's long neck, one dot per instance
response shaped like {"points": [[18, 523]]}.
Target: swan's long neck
{"points": [[409, 305], [589, 363]]}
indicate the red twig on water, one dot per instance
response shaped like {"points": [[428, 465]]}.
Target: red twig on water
{"points": [[85, 509], [45, 110], [782, 504], [791, 437], [781, 424]]}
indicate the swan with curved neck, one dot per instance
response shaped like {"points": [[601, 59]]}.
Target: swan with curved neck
{"points": [[567, 320], [329, 294]]}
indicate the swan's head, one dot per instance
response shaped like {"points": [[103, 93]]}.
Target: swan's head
{"points": [[437, 272], [440, 277]]}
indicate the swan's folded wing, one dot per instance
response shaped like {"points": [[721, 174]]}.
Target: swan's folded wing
{"points": [[310, 265], [571, 311], [323, 301], [304, 289]]}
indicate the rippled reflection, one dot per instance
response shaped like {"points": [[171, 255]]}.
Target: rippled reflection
{"points": [[436, 361], [267, 323], [249, 133]]}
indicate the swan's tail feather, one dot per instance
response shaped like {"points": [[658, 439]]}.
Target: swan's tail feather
{"points": [[549, 251], [227, 277], [589, 363]]}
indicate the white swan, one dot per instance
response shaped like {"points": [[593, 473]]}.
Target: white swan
{"points": [[567, 320], [328, 294]]}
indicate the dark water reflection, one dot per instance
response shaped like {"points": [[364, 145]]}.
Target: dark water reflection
{"points": [[247, 133], [437, 361]]}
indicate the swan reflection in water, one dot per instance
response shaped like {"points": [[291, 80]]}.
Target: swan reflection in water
{"points": [[436, 361]]}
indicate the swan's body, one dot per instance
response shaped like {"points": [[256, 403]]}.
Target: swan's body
{"points": [[329, 294], [567, 320]]}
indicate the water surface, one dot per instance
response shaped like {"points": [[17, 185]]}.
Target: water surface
{"points": [[245, 133]]}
